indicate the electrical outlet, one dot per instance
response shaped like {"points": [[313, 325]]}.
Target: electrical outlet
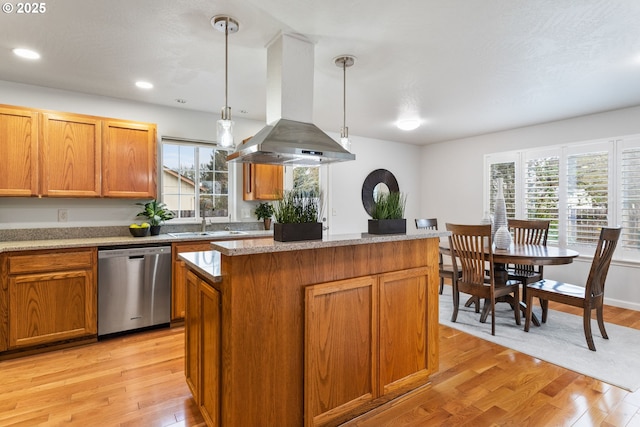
{"points": [[63, 215]]}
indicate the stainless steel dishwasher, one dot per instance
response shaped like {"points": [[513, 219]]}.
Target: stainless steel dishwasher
{"points": [[134, 288]]}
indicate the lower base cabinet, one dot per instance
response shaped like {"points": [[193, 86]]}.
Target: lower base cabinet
{"points": [[50, 297], [202, 338], [364, 338], [311, 337]]}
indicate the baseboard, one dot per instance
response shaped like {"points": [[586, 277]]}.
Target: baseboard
{"points": [[622, 304]]}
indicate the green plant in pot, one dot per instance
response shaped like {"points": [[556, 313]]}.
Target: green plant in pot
{"points": [[388, 214], [297, 215], [264, 212], [156, 213]]}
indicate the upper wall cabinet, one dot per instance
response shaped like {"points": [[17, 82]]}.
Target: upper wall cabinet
{"points": [[49, 153], [70, 155], [129, 159], [18, 152], [262, 182]]}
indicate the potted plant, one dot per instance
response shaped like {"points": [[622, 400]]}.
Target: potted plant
{"points": [[388, 214], [156, 213], [297, 214], [264, 212]]}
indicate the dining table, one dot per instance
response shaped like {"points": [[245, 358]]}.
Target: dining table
{"points": [[523, 254]]}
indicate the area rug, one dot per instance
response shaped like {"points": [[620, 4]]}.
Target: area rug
{"points": [[560, 341]]}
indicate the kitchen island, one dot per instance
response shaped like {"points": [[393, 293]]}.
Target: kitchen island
{"points": [[310, 333]]}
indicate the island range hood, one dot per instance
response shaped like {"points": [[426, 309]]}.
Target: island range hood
{"points": [[290, 138]]}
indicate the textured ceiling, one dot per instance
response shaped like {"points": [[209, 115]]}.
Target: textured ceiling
{"points": [[463, 67]]}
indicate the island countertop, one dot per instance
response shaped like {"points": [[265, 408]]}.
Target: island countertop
{"points": [[269, 245]]}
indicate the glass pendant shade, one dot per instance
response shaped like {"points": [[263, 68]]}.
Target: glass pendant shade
{"points": [[225, 133]]}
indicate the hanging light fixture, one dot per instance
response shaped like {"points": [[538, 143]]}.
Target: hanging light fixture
{"points": [[227, 25], [344, 61]]}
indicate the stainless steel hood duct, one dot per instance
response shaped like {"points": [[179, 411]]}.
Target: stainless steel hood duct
{"points": [[290, 138]]}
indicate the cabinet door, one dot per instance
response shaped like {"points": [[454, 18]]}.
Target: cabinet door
{"points": [[191, 334], [70, 155], [50, 307], [262, 182], [179, 272], [340, 348], [210, 349], [128, 159], [404, 322], [18, 152]]}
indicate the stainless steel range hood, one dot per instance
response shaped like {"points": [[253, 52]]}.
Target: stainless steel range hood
{"points": [[291, 138]]}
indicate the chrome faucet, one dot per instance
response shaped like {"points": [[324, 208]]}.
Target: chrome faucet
{"points": [[204, 221]]}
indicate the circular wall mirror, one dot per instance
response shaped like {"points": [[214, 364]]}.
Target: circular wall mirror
{"points": [[377, 182]]}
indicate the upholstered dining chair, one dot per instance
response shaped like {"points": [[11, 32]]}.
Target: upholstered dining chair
{"points": [[588, 297], [467, 241], [445, 271]]}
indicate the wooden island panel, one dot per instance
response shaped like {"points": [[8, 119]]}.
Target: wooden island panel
{"points": [[262, 361]]}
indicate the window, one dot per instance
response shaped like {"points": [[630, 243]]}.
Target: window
{"points": [[306, 178], [195, 179], [541, 199], [579, 187]]}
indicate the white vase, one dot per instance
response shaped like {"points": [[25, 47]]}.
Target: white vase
{"points": [[502, 239], [499, 209]]}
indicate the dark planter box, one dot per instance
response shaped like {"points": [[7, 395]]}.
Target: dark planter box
{"points": [[387, 226], [297, 232]]}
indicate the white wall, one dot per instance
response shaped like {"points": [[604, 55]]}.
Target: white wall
{"points": [[452, 190], [345, 179]]}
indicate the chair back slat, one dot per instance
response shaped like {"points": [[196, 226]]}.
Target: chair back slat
{"points": [[468, 243], [427, 223], [601, 261], [532, 232]]}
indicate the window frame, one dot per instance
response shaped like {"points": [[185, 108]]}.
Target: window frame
{"points": [[614, 148], [231, 184]]}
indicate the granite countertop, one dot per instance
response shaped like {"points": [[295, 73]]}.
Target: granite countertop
{"points": [[24, 245], [205, 262], [268, 245]]}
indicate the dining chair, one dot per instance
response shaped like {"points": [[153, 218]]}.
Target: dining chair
{"points": [[445, 271], [532, 232], [467, 242], [588, 297]]}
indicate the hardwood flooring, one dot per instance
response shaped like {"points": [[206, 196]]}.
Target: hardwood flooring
{"points": [[138, 380]]}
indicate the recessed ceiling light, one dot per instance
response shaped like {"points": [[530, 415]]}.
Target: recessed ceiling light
{"points": [[26, 53], [144, 85], [408, 124]]}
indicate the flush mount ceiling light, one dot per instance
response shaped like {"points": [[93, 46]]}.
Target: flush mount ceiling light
{"points": [[227, 25], [26, 53], [144, 85], [408, 124], [343, 62]]}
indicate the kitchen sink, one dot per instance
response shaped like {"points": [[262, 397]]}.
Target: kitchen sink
{"points": [[218, 233]]}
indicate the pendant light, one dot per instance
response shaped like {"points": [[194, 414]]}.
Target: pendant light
{"points": [[344, 61], [227, 25]]}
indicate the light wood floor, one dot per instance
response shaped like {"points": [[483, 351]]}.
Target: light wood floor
{"points": [[138, 380]]}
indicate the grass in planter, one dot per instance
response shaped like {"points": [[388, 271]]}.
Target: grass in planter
{"points": [[389, 205], [297, 206]]}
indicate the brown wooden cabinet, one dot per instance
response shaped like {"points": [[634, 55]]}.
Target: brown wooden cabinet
{"points": [[52, 296], [314, 336], [18, 151], [203, 351], [377, 330], [70, 147], [179, 271], [129, 159], [55, 154], [262, 182]]}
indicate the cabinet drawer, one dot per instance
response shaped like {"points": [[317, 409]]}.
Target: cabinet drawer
{"points": [[56, 261]]}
